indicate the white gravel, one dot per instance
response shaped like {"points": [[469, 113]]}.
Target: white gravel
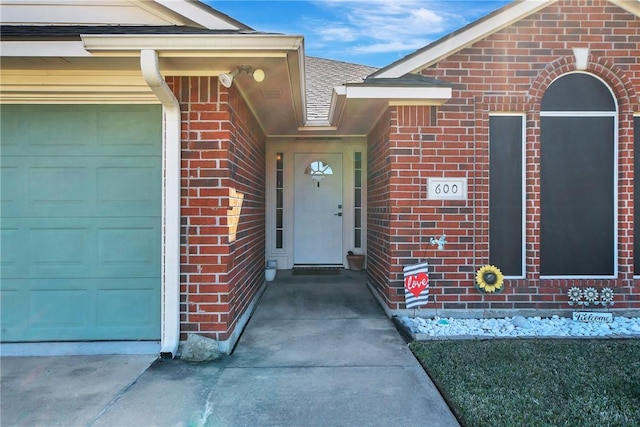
{"points": [[519, 326]]}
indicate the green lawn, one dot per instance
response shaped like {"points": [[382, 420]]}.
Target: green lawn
{"points": [[537, 382]]}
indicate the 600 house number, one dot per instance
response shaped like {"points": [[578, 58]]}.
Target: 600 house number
{"points": [[447, 189]]}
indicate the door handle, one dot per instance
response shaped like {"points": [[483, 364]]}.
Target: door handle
{"points": [[338, 214]]}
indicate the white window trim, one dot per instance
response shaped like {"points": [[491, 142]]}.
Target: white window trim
{"points": [[523, 178], [614, 115]]}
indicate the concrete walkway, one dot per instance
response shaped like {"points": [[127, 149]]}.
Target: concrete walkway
{"points": [[318, 351]]}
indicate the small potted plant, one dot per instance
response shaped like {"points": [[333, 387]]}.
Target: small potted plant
{"points": [[356, 261]]}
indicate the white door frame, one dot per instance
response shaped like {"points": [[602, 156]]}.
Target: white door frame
{"points": [[318, 221], [288, 147]]}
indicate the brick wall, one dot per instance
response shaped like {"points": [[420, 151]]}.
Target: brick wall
{"points": [[379, 209], [508, 71], [222, 207]]}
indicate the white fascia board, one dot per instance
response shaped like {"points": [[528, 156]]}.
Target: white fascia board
{"points": [[43, 49], [447, 47], [317, 125], [340, 90], [336, 106], [191, 42], [192, 12], [398, 94], [157, 9]]}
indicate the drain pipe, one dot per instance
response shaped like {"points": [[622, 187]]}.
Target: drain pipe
{"points": [[170, 203]]}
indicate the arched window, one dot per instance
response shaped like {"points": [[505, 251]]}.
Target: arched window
{"points": [[318, 169], [578, 164]]}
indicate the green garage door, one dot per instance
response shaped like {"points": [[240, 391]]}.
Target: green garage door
{"points": [[81, 213]]}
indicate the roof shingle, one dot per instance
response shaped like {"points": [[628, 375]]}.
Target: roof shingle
{"points": [[322, 75]]}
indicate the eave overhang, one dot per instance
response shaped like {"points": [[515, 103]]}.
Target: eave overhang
{"points": [[166, 44], [394, 95], [85, 68], [355, 107]]}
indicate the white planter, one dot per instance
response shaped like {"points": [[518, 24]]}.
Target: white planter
{"points": [[269, 274]]}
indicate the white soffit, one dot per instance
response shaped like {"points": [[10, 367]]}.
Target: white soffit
{"points": [[465, 37], [397, 95], [43, 49], [167, 45], [193, 42]]}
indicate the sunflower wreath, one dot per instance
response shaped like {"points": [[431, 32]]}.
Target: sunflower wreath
{"points": [[489, 279]]}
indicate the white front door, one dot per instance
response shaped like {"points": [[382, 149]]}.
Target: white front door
{"points": [[318, 209]]}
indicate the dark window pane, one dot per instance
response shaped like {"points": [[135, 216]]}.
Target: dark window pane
{"points": [[577, 196], [357, 157], [279, 218], [279, 161], [358, 218], [279, 199], [505, 193], [279, 179], [358, 238], [358, 178], [358, 198], [578, 92], [279, 239]]}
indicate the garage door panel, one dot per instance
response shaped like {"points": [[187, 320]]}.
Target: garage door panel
{"points": [[125, 187], [119, 308], [45, 186], [66, 309], [81, 187], [81, 222], [80, 247], [54, 308], [14, 254], [60, 252], [11, 187], [58, 187], [134, 132], [128, 249], [51, 127], [47, 247], [55, 187], [58, 308], [14, 304], [80, 130], [11, 117]]}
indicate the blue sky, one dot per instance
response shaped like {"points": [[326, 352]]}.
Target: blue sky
{"points": [[368, 32]]}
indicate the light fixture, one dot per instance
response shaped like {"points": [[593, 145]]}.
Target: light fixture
{"points": [[226, 79], [258, 75]]}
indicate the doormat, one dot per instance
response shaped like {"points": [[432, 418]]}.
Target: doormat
{"points": [[316, 271]]}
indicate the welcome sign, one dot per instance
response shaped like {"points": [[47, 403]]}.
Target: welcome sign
{"points": [[416, 284], [592, 317]]}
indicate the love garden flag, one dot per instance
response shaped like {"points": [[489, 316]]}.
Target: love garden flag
{"points": [[416, 284]]}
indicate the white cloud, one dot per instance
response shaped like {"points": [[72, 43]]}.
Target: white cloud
{"points": [[364, 31], [393, 46], [338, 33], [383, 26]]}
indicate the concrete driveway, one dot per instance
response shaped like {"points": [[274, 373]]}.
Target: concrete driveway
{"points": [[318, 351]]}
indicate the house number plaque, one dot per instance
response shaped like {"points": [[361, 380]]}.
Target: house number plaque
{"points": [[447, 189]]}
